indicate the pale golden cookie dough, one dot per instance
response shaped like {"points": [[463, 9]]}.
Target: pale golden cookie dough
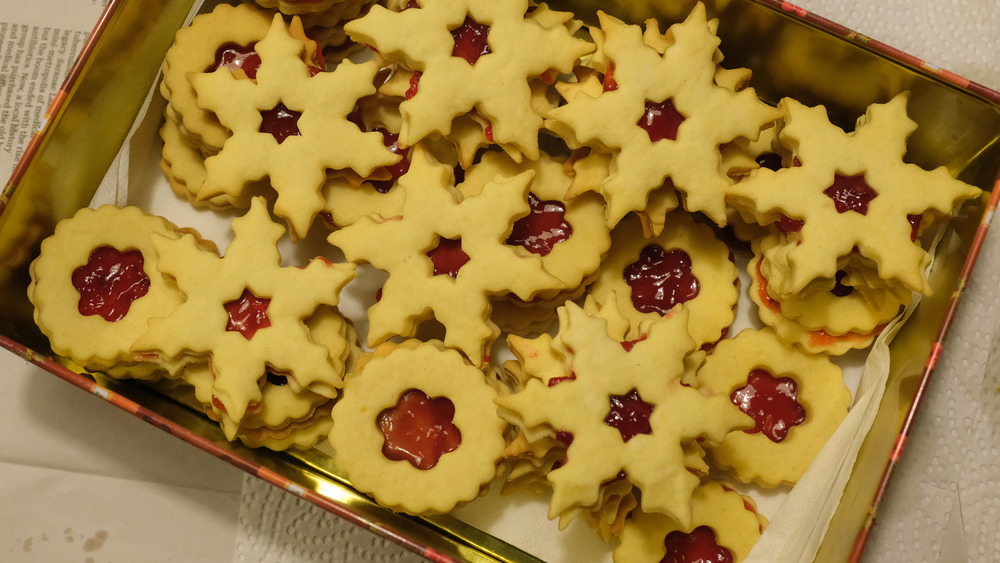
{"points": [[377, 384], [733, 518], [712, 309], [89, 340], [753, 457]]}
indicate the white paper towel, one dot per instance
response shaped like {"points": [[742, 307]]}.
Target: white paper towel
{"points": [[945, 497]]}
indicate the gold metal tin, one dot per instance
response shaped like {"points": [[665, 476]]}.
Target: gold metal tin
{"points": [[791, 53]]}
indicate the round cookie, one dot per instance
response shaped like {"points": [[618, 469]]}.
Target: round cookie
{"points": [[797, 401], [371, 435], [95, 285]]}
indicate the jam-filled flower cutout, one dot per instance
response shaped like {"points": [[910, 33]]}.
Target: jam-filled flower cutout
{"points": [[416, 427], [796, 400], [295, 126], [249, 273], [853, 193], [661, 115], [470, 56], [626, 410], [109, 282]]}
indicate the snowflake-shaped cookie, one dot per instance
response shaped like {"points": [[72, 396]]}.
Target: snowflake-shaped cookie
{"points": [[471, 55], [623, 408], [446, 256], [245, 312], [852, 193], [290, 126], [662, 115]]}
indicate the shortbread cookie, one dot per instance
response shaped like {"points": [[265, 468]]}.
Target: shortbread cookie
{"points": [[661, 115], [725, 526], [416, 428], [245, 312], [224, 38], [797, 401], [621, 406], [852, 193], [470, 55], [446, 256], [290, 126], [685, 265], [95, 285]]}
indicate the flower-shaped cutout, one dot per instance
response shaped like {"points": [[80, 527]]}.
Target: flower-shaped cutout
{"points": [[432, 213], [651, 369], [496, 86], [109, 282], [252, 263], [664, 116], [877, 225], [295, 163]]}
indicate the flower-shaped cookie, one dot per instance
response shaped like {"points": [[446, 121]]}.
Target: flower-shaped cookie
{"points": [[95, 285], [726, 525], [470, 55], [446, 256], [290, 126], [416, 428], [797, 401], [245, 312], [852, 193], [622, 407], [662, 115]]}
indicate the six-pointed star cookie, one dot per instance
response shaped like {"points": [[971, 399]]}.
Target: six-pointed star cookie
{"points": [[852, 192], [666, 117], [470, 55], [290, 126], [246, 312]]}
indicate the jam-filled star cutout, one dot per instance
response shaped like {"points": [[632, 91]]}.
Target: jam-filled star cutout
{"points": [[296, 164], [252, 263], [248, 314], [874, 194]]}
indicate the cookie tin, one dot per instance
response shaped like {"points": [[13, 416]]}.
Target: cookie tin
{"points": [[791, 53]]}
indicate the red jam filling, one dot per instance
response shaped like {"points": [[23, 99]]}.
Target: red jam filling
{"points": [[419, 429], [248, 314], [660, 279], [391, 142], [471, 40], [280, 122], [109, 282], [448, 257], [700, 546], [609, 84], [235, 56], [789, 225], [557, 380], [769, 160], [629, 344], [629, 415], [771, 402], [661, 120], [914, 226], [851, 193], [541, 229], [414, 85]]}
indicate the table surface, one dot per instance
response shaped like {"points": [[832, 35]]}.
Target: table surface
{"points": [[83, 481]]}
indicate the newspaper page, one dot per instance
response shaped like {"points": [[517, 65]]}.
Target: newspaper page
{"points": [[39, 42]]}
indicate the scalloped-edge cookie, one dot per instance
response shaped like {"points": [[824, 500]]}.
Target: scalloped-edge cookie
{"points": [[246, 313], [471, 54], [624, 408], [661, 115], [797, 401], [95, 285], [720, 514], [376, 424], [851, 193], [686, 264], [445, 256]]}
